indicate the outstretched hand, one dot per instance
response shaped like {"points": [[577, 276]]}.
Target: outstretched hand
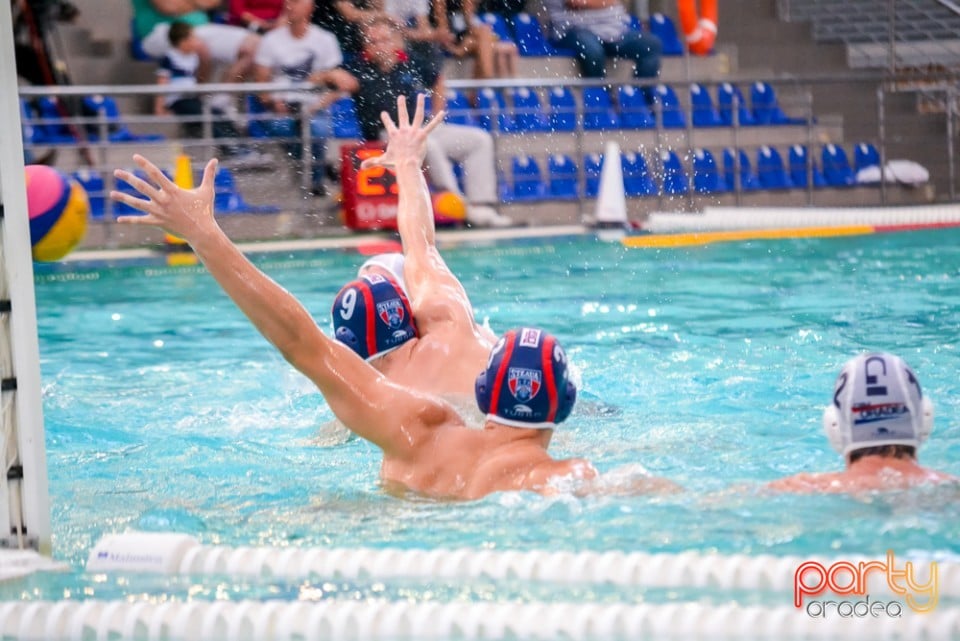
{"points": [[405, 140], [184, 212]]}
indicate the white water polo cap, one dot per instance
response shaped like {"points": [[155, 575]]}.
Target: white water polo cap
{"points": [[877, 401], [392, 262]]}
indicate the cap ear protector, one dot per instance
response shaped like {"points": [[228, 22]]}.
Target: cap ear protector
{"points": [[877, 401], [525, 383]]}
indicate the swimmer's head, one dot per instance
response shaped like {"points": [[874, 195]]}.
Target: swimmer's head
{"points": [[525, 383], [390, 264], [372, 316], [877, 401]]}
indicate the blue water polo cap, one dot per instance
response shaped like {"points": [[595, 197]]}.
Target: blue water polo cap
{"points": [[372, 316], [525, 383]]}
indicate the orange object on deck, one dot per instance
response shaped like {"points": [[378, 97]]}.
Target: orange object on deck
{"points": [[700, 28]]}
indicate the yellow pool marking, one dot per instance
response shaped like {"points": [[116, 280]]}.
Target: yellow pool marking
{"points": [[704, 237]]}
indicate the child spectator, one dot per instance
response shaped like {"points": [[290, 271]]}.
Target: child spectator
{"points": [[178, 67]]}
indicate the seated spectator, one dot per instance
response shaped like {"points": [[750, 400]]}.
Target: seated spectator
{"points": [[423, 42], [384, 73], [345, 18], [178, 67], [299, 51], [259, 16], [224, 44], [597, 29], [471, 37]]}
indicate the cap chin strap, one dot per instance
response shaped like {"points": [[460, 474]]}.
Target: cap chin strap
{"points": [[840, 441], [530, 426]]}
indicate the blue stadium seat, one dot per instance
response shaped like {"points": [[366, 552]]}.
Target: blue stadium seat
{"points": [[527, 183], [51, 129], [634, 111], [662, 27], [343, 117], [528, 114], [492, 107], [31, 134], [865, 155], [531, 40], [674, 176], [257, 125], [563, 109], [92, 183], [228, 200], [637, 180], [459, 111], [797, 161], [770, 169], [726, 93], [499, 25], [672, 111], [836, 166], [106, 107], [563, 177], [706, 174], [598, 111], [592, 166], [705, 114], [766, 108], [748, 179]]}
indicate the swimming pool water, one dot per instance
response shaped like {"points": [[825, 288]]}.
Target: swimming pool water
{"points": [[166, 411]]}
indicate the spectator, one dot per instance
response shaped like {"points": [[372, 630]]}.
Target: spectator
{"points": [[383, 74], [224, 44], [597, 29], [178, 67], [258, 16], [471, 37], [299, 51], [424, 42], [345, 18], [877, 421]]}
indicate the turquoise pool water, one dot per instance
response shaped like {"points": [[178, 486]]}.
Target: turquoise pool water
{"points": [[165, 410]]}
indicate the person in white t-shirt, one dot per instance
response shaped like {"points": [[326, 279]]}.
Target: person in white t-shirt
{"points": [[297, 52]]}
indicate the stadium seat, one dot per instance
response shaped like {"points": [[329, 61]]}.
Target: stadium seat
{"points": [[343, 117], [563, 177], [257, 125], [598, 111], [52, 128], [528, 114], [592, 166], [748, 180], [836, 166], [664, 28], [92, 183], [459, 111], [637, 180], [766, 109], [797, 161], [726, 94], [705, 114], [674, 176], [530, 38], [706, 174], [771, 171], [527, 183], [634, 111], [499, 25], [491, 107], [227, 198], [563, 109], [865, 155], [669, 104], [106, 107]]}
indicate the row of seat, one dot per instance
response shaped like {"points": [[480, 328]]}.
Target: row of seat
{"points": [[47, 122], [227, 196], [563, 179]]}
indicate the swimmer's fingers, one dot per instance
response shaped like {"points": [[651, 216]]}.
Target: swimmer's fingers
{"points": [[154, 173], [145, 188], [435, 121], [403, 118], [419, 112], [387, 122], [377, 161], [209, 174], [146, 206]]}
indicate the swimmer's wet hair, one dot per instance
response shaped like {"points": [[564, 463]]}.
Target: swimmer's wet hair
{"points": [[886, 451]]}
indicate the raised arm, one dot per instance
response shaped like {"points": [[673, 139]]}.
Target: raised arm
{"points": [[365, 401], [427, 275]]}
